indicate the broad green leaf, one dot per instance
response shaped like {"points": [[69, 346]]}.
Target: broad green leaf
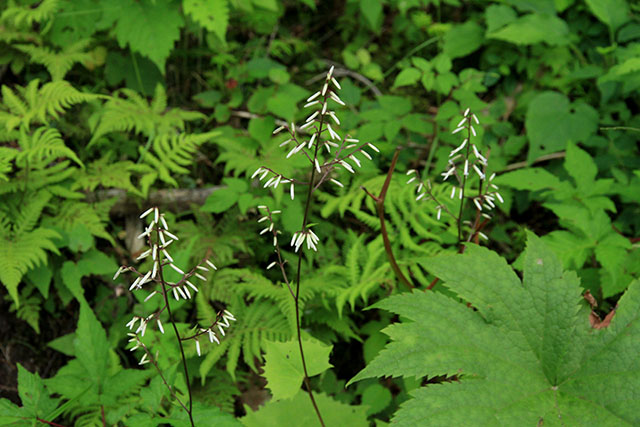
{"points": [[372, 12], [614, 13], [284, 102], [552, 122], [147, 27], [523, 354], [299, 412], [283, 366], [463, 39], [223, 199], [537, 6], [203, 415], [376, 397], [499, 15], [211, 14], [91, 345], [532, 29], [533, 179], [581, 166], [407, 77], [395, 105], [34, 395]]}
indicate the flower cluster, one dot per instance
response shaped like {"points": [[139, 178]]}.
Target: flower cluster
{"points": [[159, 238], [463, 160], [340, 153]]}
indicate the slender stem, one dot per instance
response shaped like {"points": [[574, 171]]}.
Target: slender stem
{"points": [[175, 329], [383, 226], [296, 298], [463, 184], [51, 423]]}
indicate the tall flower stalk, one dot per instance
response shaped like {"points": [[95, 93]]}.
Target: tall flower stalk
{"points": [[329, 154], [465, 162], [159, 238]]}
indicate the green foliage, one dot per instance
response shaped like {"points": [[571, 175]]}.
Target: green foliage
{"points": [[283, 365], [212, 15], [527, 348], [581, 205], [92, 382], [58, 63], [128, 111], [23, 244], [35, 399], [299, 409], [105, 104], [148, 27], [32, 103]]}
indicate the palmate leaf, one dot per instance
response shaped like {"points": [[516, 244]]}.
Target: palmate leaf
{"points": [[525, 356]]}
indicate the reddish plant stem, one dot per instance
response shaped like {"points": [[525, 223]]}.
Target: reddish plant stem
{"points": [[51, 423], [383, 227]]}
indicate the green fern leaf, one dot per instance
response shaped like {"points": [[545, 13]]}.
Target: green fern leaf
{"points": [[22, 252], [19, 16], [172, 153], [525, 355], [127, 111], [39, 104], [42, 147], [57, 63], [212, 15]]}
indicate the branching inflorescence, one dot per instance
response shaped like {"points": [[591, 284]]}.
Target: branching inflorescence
{"points": [[159, 238], [328, 153], [465, 161]]}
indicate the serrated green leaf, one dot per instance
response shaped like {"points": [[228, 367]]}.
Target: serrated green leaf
{"points": [[148, 27], [524, 355], [211, 14], [283, 366], [34, 395], [91, 345]]}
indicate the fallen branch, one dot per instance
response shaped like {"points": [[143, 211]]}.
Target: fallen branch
{"points": [[174, 199]]}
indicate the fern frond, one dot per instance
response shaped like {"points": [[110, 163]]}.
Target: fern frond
{"points": [[36, 179], [257, 322], [72, 213], [40, 104], [7, 156], [29, 211], [22, 252], [22, 15], [365, 269], [57, 63], [171, 154], [42, 147], [127, 111], [106, 173]]}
